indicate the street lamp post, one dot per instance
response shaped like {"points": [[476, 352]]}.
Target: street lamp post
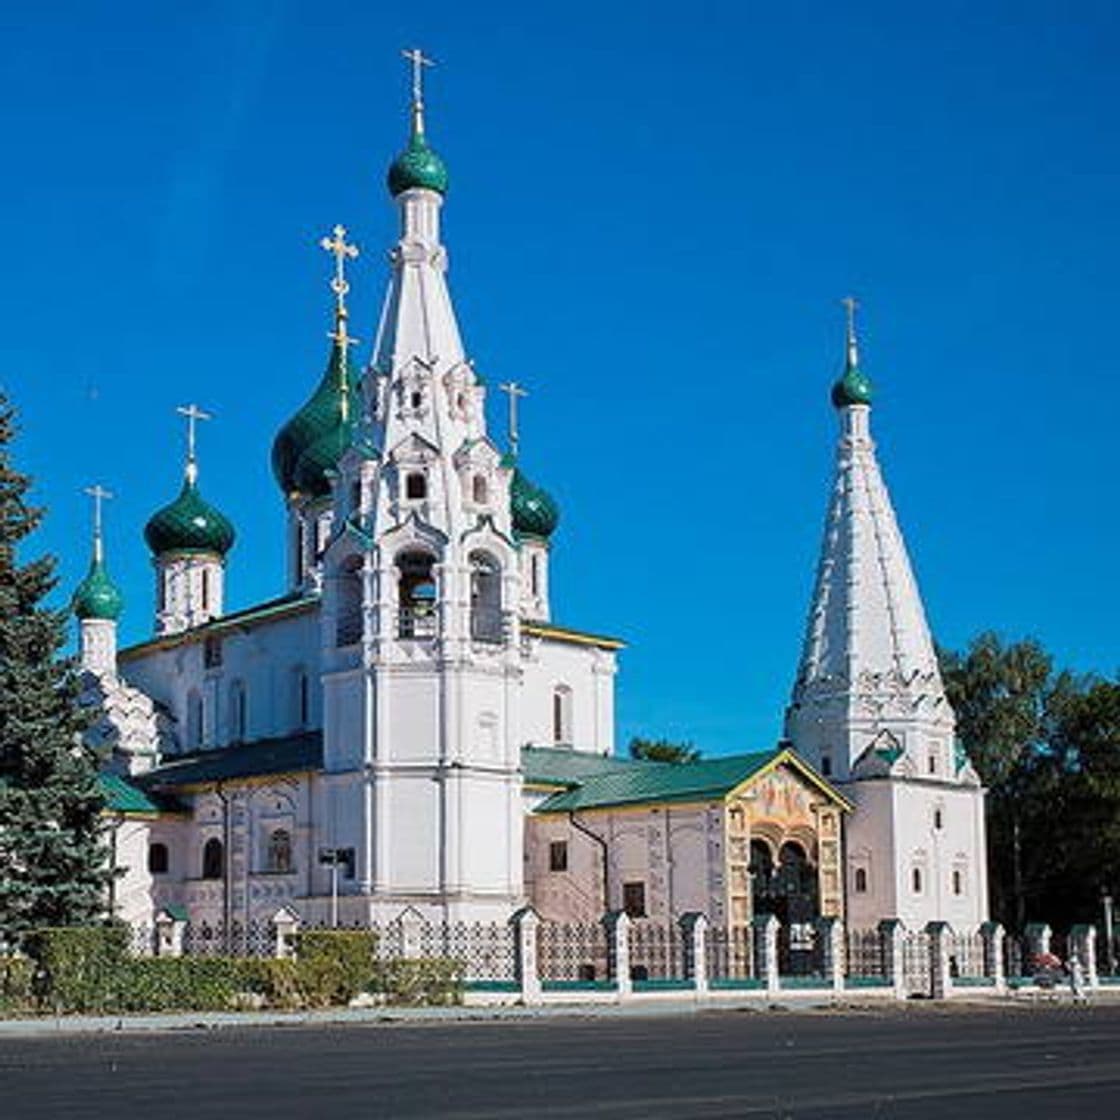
{"points": [[1109, 942]]}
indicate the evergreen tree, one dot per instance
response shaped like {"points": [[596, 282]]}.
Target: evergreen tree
{"points": [[663, 750], [53, 865]]}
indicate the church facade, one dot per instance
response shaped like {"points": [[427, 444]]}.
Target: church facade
{"points": [[407, 727]]}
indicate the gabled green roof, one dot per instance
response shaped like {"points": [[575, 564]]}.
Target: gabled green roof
{"points": [[122, 796], [708, 779], [285, 754]]}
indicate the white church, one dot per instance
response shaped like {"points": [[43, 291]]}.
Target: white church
{"points": [[406, 726]]}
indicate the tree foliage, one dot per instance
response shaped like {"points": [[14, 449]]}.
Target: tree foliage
{"points": [[1046, 744], [662, 750], [52, 858]]}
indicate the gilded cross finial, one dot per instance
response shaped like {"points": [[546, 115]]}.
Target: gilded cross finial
{"points": [[193, 414], [99, 494], [513, 391], [342, 251], [850, 304], [418, 60]]}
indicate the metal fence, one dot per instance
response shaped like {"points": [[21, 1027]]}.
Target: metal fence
{"points": [[572, 951], [656, 951], [917, 973], [730, 953], [865, 955]]}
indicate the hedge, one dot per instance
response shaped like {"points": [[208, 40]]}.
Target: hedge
{"points": [[90, 970]]}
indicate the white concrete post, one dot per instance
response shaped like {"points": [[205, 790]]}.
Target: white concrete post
{"points": [[1037, 937], [169, 934], [694, 928], [993, 935], [940, 950], [411, 935], [526, 924], [830, 934], [1083, 942], [765, 930], [892, 934], [285, 926], [617, 924]]}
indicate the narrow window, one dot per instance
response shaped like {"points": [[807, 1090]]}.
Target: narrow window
{"points": [[861, 881], [958, 883], [280, 851], [417, 398], [916, 880], [486, 598], [348, 618], [416, 595], [634, 899], [937, 821], [826, 765], [415, 487], [213, 859], [304, 693], [157, 859], [479, 490], [535, 574], [205, 589], [933, 762], [356, 497], [162, 590], [562, 714], [558, 855], [212, 653]]}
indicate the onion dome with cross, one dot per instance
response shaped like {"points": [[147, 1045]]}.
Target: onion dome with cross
{"points": [[853, 387], [97, 597], [190, 523], [418, 166], [308, 447], [533, 511]]}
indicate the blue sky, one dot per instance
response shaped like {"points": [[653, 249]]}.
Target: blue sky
{"points": [[653, 214]]}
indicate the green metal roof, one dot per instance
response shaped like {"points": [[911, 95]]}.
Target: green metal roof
{"points": [[286, 754], [122, 796], [286, 604], [630, 783], [97, 596], [563, 766], [189, 524]]}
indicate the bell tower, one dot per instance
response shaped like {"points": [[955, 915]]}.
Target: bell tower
{"points": [[869, 709]]}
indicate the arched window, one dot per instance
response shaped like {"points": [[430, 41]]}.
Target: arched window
{"points": [[938, 820], [157, 859], [194, 719], [205, 589], [348, 619], [356, 497], [535, 574], [416, 594], [213, 859], [238, 712], [958, 882], [416, 486], [916, 880], [861, 880], [486, 598], [826, 765], [479, 490], [280, 851], [761, 869], [562, 714]]}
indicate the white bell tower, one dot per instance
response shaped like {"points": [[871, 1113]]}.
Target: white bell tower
{"points": [[869, 709]]}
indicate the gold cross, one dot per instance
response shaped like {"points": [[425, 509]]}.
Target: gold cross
{"points": [[193, 414], [99, 494], [337, 246], [418, 59], [514, 391], [850, 304]]}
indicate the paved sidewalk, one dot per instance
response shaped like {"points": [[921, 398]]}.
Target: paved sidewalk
{"points": [[44, 1026]]}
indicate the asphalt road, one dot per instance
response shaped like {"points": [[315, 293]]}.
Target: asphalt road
{"points": [[904, 1062]]}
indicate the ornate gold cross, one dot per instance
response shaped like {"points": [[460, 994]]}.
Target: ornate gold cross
{"points": [[514, 391]]}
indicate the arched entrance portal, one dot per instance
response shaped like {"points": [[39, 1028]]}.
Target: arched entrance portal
{"points": [[789, 890]]}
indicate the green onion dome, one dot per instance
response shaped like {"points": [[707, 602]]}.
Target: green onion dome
{"points": [[189, 524], [313, 468], [417, 166], [852, 388], [97, 596], [317, 419], [534, 511]]}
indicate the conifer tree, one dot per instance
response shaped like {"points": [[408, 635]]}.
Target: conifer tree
{"points": [[53, 866]]}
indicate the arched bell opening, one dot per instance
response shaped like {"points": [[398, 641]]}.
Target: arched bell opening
{"points": [[348, 609], [487, 623], [416, 594]]}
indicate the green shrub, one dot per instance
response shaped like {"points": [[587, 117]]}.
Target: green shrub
{"points": [[428, 981], [16, 974], [77, 965], [334, 965], [182, 983]]}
